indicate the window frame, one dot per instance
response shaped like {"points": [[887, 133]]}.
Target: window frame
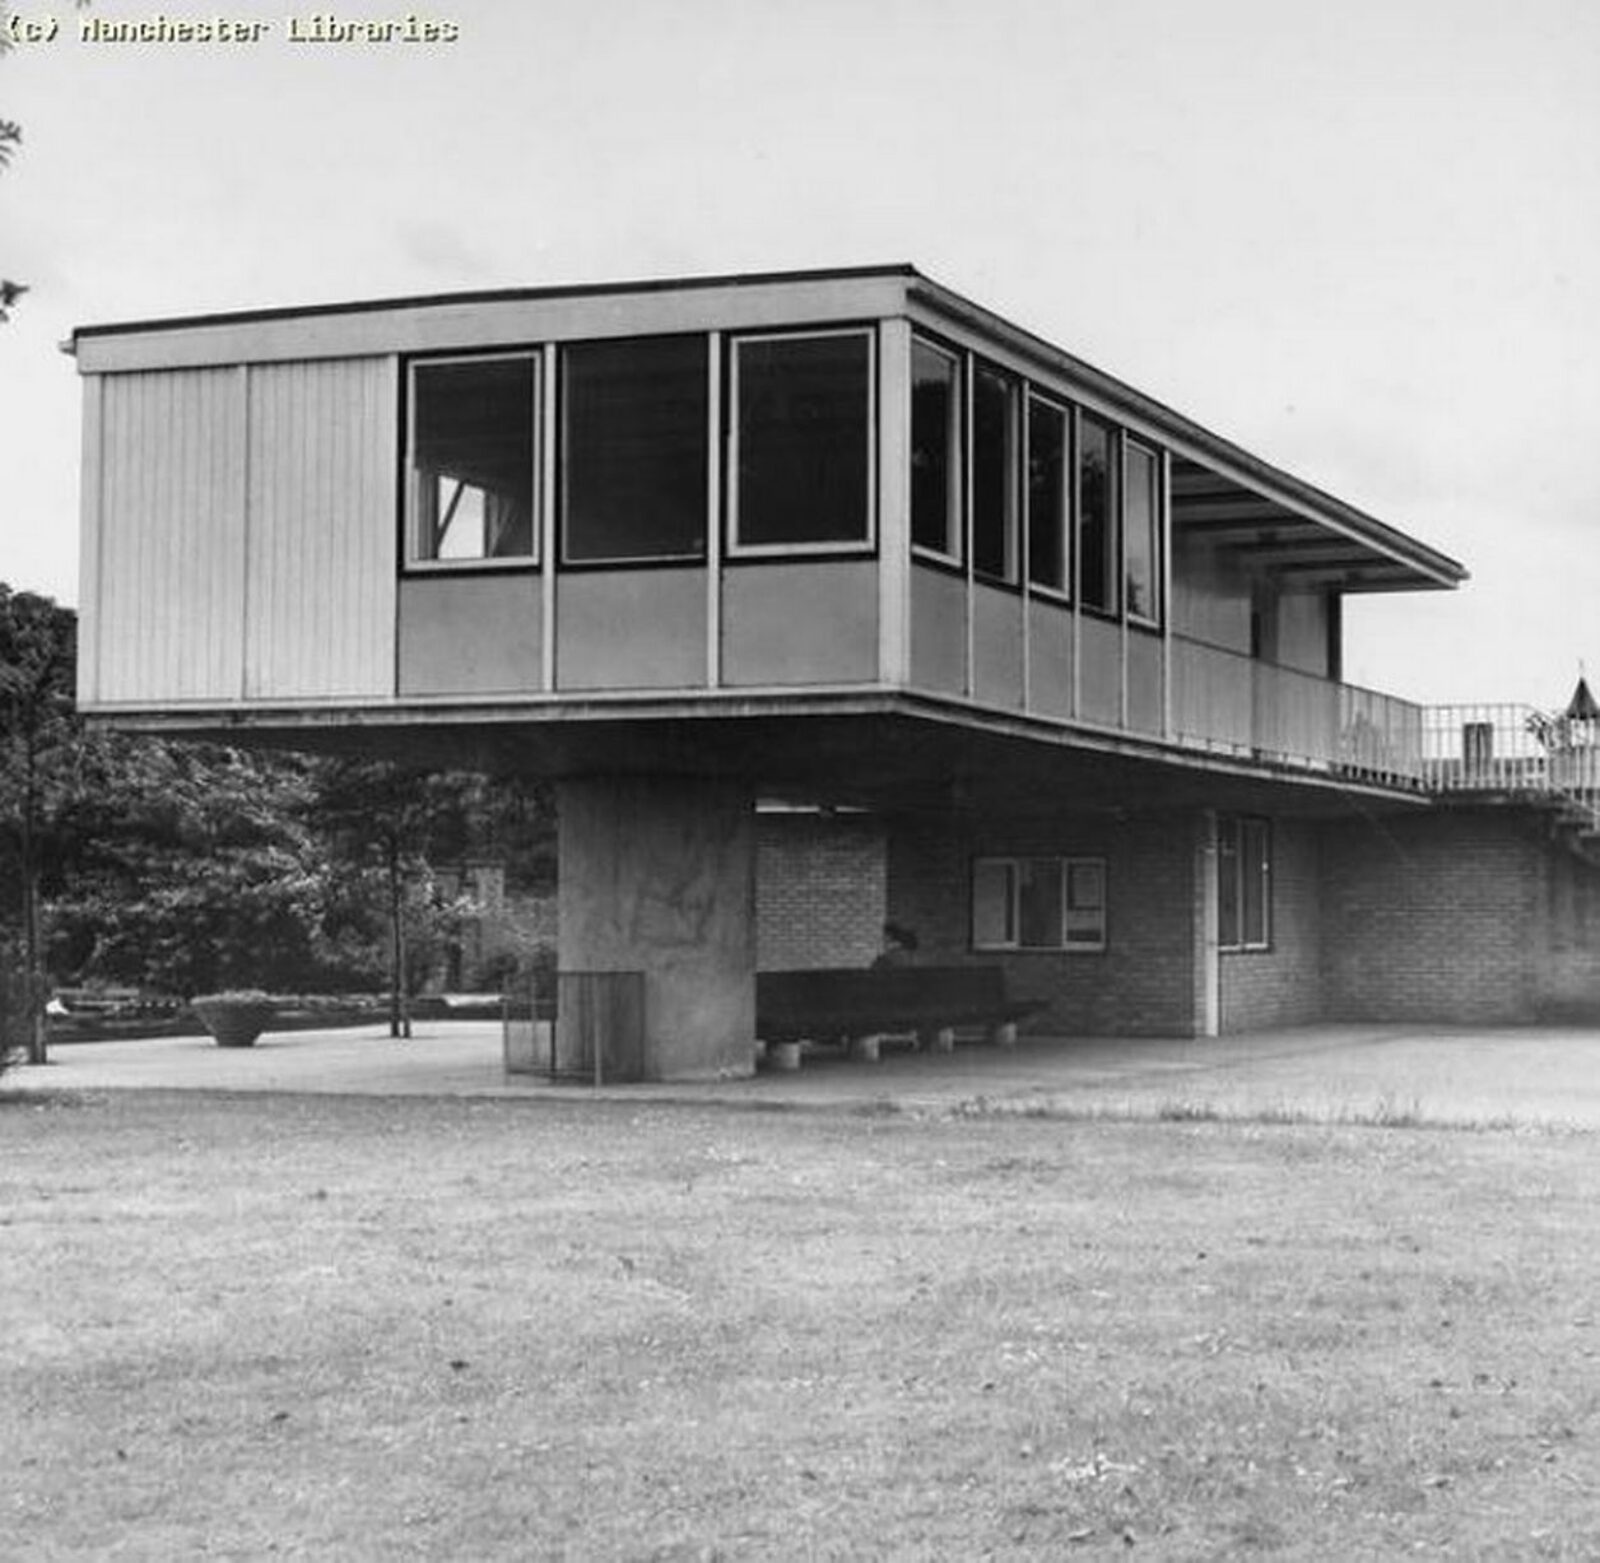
{"points": [[1066, 864], [1240, 829], [413, 561], [1067, 413], [956, 496], [563, 473], [733, 548], [1132, 443], [1116, 433], [1011, 467]]}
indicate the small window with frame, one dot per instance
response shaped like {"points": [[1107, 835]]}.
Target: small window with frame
{"points": [[936, 467], [1039, 904], [472, 462]]}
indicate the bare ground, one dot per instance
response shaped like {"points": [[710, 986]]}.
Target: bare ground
{"points": [[341, 1327]]}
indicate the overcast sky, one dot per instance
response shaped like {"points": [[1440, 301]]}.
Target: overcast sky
{"points": [[1360, 238]]}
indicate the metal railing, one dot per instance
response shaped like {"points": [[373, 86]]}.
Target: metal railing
{"points": [[1513, 749], [1228, 702]]}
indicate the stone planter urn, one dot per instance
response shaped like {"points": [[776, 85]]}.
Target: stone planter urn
{"points": [[235, 1019]]}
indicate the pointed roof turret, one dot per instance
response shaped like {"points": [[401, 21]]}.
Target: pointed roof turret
{"points": [[1582, 707]]}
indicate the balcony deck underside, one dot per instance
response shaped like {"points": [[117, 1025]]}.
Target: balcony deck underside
{"points": [[875, 750]]}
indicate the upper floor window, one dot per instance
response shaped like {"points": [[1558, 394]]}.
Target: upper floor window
{"points": [[1048, 495], [1099, 547], [994, 474], [1244, 883], [1141, 530], [801, 460], [473, 460], [633, 449], [935, 450]]}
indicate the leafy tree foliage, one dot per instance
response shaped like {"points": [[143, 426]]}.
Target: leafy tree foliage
{"points": [[187, 867]]}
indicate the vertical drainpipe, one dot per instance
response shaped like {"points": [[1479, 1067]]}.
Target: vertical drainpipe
{"points": [[548, 435], [1075, 552], [1024, 528], [1165, 540], [1208, 1017], [714, 510], [893, 456], [969, 682], [92, 510]]}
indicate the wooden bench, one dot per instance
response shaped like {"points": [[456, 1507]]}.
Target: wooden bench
{"points": [[858, 1006]]}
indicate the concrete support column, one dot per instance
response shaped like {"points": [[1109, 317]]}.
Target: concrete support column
{"points": [[657, 875]]}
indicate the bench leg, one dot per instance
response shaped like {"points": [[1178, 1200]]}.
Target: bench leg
{"points": [[866, 1050], [940, 1039], [1005, 1034], [784, 1056]]}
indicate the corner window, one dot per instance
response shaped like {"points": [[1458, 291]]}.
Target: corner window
{"points": [[472, 460], [935, 450], [801, 446], [1099, 547], [633, 449], [1141, 523], [1048, 489], [1038, 903], [994, 474], [1244, 883]]}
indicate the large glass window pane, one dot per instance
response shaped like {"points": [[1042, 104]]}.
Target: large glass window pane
{"points": [[1141, 520], [633, 480], [1098, 546], [1047, 495], [993, 896], [802, 440], [994, 475], [473, 428], [1040, 925], [935, 444]]}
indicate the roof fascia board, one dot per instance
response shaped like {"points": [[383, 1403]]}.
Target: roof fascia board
{"points": [[490, 320]]}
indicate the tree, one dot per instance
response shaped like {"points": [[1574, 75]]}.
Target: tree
{"points": [[40, 772]]}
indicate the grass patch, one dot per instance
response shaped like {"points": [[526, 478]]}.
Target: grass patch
{"points": [[421, 1328]]}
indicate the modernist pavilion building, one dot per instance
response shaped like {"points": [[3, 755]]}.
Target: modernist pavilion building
{"points": [[1066, 663]]}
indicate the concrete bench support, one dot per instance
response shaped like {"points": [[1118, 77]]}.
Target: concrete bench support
{"points": [[867, 1050]]}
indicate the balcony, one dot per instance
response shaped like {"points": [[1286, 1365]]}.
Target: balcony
{"points": [[1229, 703]]}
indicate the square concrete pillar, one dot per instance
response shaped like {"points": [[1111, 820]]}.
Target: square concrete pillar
{"points": [[657, 875]]}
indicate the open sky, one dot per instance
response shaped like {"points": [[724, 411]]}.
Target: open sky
{"points": [[1360, 238]]}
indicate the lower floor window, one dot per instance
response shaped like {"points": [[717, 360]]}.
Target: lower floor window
{"points": [[1038, 903], [1244, 883]]}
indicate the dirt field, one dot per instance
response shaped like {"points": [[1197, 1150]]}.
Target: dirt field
{"points": [[241, 1326]]}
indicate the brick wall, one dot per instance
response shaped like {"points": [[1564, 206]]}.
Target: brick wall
{"points": [[1142, 984], [1283, 985], [1437, 916], [820, 897]]}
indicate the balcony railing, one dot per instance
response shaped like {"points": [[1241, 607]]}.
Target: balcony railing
{"points": [[1511, 749], [1229, 703]]}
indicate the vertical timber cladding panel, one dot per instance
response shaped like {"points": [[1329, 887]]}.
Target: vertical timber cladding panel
{"points": [[1141, 984], [171, 576], [800, 623], [1435, 916], [938, 630], [320, 582], [1281, 986], [996, 645]]}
